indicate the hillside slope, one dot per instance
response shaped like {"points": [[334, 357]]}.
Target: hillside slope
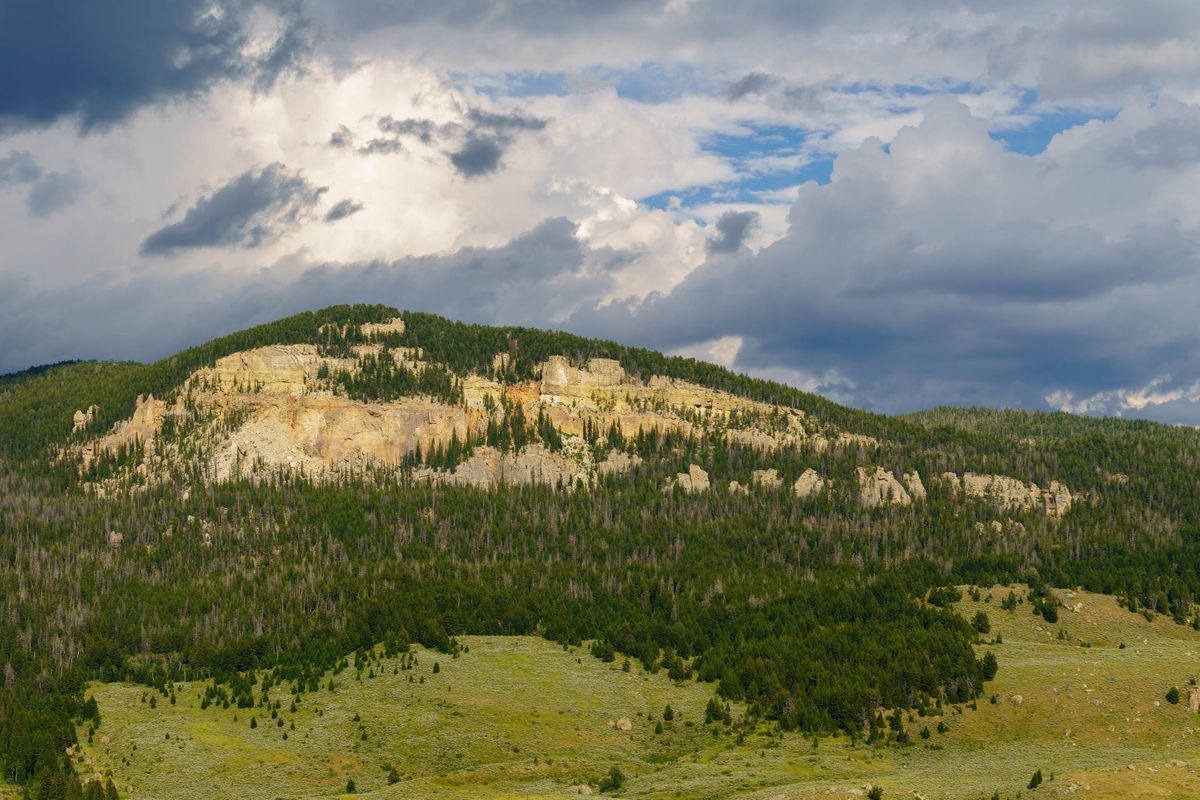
{"points": [[358, 476]]}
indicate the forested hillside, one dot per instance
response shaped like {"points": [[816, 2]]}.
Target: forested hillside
{"points": [[818, 610]]}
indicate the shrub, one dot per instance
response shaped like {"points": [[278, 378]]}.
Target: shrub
{"points": [[614, 780], [989, 665], [1173, 695]]}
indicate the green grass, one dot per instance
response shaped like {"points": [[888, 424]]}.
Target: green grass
{"points": [[520, 717], [512, 711]]}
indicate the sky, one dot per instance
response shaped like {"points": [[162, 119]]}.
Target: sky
{"points": [[896, 203]]}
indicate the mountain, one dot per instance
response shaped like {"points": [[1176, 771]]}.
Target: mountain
{"points": [[268, 502]]}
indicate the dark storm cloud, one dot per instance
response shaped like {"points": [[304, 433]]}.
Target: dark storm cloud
{"points": [[255, 207], [732, 229], [475, 146], [342, 209], [541, 271], [100, 62], [478, 156], [504, 123]]}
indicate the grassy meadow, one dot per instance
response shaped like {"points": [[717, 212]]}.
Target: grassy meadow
{"points": [[522, 717]]}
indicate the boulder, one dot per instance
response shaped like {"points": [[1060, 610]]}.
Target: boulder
{"points": [[1194, 699], [115, 538], [624, 724], [809, 484], [692, 481], [879, 487]]}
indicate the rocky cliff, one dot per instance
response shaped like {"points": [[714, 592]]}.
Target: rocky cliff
{"points": [[286, 407]]}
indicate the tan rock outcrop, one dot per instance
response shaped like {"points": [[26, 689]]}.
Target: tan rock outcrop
{"points": [[316, 432], [809, 484], [878, 487], [534, 464], [617, 462], [278, 407], [1011, 494], [83, 418], [692, 481], [735, 487], [912, 482], [767, 478], [395, 325], [274, 371]]}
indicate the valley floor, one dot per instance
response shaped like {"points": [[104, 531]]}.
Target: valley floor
{"points": [[521, 717]]}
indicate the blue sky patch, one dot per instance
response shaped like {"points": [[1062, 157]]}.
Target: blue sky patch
{"points": [[1033, 138]]}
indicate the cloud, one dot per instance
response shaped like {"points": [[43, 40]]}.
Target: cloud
{"points": [[342, 209], [19, 167], [752, 83], [257, 206], [935, 266], [732, 229], [100, 63], [53, 192], [48, 191], [478, 156], [477, 140], [945, 269], [545, 271], [1161, 391], [504, 123]]}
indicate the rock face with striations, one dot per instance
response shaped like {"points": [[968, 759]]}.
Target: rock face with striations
{"points": [[878, 487]]}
